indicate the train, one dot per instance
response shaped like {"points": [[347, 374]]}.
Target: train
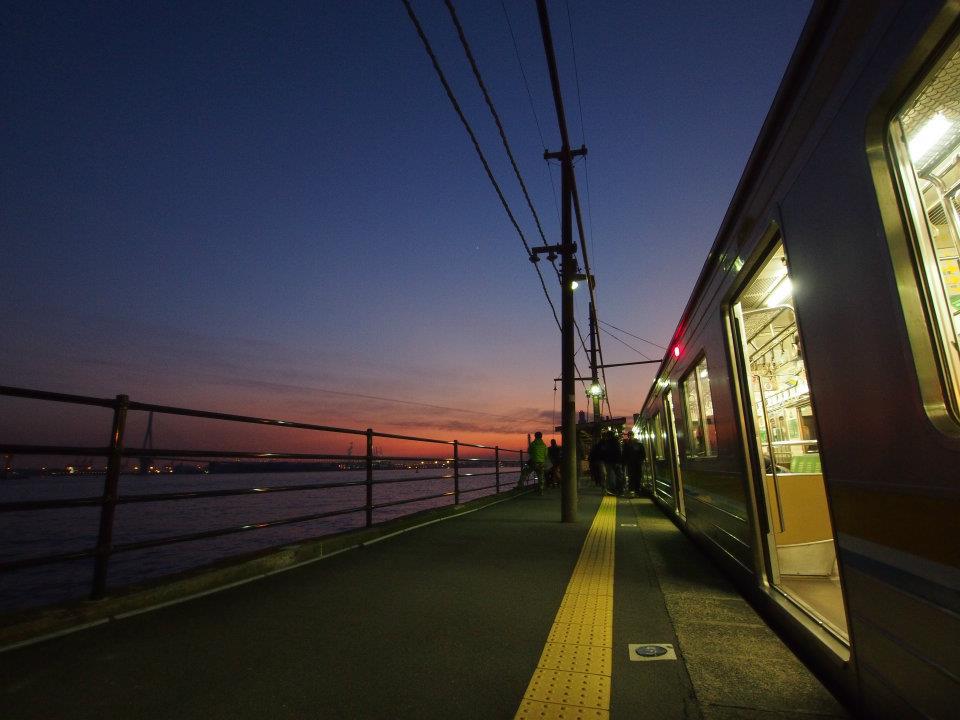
{"points": [[804, 425]]}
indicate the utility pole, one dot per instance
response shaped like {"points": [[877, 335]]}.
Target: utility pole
{"points": [[594, 379], [568, 270]]}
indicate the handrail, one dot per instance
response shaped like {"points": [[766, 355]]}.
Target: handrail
{"points": [[451, 468]]}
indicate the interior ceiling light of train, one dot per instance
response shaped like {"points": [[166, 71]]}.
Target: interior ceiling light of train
{"points": [[778, 376], [926, 138]]}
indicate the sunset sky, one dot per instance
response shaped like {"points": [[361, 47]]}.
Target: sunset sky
{"points": [[271, 208]]}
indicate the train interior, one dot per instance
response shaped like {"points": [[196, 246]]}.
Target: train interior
{"points": [[801, 554], [929, 144]]}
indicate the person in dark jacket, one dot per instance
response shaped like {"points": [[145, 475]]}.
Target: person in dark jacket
{"points": [[555, 454], [633, 457], [612, 459], [596, 466]]}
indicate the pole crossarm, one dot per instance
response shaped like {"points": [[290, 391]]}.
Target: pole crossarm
{"points": [[564, 154]]}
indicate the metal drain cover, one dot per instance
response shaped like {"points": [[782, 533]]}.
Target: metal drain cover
{"points": [[652, 651]]}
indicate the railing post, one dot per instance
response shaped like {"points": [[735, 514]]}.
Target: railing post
{"points": [[520, 480], [456, 473], [108, 504], [369, 477], [496, 461]]}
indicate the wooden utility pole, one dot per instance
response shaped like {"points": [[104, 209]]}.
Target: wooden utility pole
{"points": [[568, 269]]}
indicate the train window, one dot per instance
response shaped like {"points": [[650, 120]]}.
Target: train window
{"points": [[926, 137], [658, 437], [701, 430]]}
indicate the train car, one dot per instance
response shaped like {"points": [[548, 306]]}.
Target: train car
{"points": [[804, 425]]}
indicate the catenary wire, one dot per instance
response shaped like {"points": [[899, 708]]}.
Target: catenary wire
{"points": [[626, 344], [576, 72], [476, 145], [533, 109], [650, 342], [500, 129], [496, 116]]}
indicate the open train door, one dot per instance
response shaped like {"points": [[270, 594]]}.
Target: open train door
{"points": [[674, 449], [795, 522]]}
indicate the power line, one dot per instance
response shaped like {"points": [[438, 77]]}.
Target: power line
{"points": [[622, 342], [496, 116], [651, 342], [576, 72], [533, 110], [503, 135], [381, 398], [516, 50], [476, 146], [496, 119]]}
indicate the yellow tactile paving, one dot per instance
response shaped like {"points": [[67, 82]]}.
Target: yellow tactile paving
{"points": [[572, 679], [580, 634], [575, 658], [570, 688], [552, 711]]}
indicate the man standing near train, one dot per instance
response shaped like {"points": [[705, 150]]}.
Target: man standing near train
{"points": [[633, 457]]}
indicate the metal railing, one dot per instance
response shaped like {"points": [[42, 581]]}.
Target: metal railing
{"points": [[117, 452]]}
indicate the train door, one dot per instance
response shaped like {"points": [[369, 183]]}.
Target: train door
{"points": [[662, 465], [676, 476], [800, 549], [646, 437]]}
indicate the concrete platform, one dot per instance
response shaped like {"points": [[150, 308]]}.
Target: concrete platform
{"points": [[445, 621]]}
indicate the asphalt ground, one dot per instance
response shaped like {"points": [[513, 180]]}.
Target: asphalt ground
{"points": [[444, 621]]}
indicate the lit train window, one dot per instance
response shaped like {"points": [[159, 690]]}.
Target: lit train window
{"points": [[701, 430], [658, 437], [926, 138]]}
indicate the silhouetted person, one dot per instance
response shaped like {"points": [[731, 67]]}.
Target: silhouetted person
{"points": [[612, 460], [555, 453], [633, 456], [596, 466]]}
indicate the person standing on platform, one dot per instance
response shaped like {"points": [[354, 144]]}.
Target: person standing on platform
{"points": [[555, 453], [596, 465], [633, 457], [612, 459], [538, 459]]}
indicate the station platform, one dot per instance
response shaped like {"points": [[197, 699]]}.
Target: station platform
{"points": [[499, 613]]}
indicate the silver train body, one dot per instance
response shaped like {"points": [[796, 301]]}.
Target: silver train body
{"points": [[804, 426]]}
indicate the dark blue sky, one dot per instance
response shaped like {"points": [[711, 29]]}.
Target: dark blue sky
{"points": [[244, 206]]}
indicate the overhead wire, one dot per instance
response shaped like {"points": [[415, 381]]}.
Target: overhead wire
{"points": [[496, 116], [622, 342], [651, 342], [576, 202], [498, 122], [533, 110], [476, 146]]}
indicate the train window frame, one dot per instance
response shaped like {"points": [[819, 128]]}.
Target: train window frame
{"points": [[659, 435], [707, 447], [921, 285]]}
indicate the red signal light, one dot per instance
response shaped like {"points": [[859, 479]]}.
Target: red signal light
{"points": [[676, 351]]}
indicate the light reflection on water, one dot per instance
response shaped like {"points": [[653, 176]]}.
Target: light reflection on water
{"points": [[46, 532]]}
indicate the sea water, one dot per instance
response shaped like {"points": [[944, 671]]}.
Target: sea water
{"points": [[55, 531]]}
